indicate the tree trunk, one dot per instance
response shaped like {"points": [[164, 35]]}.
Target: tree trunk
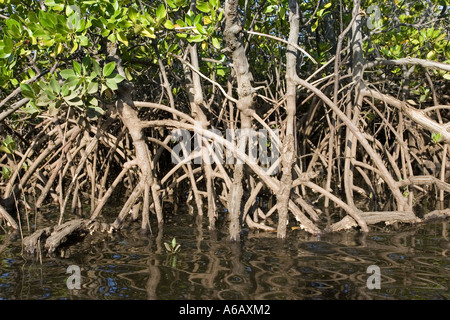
{"points": [[288, 150], [245, 102]]}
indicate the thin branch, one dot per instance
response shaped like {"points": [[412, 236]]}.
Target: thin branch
{"points": [[284, 41], [184, 61]]}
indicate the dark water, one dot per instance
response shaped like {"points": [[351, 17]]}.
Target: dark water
{"points": [[414, 264]]}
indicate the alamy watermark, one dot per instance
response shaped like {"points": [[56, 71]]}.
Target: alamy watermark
{"points": [[238, 146], [74, 280], [374, 280], [374, 13]]}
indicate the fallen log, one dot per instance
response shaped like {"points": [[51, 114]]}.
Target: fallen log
{"points": [[437, 214], [56, 236], [31, 242], [345, 223], [389, 217], [61, 233]]}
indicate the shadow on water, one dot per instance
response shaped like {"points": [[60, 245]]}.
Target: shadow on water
{"points": [[414, 264]]}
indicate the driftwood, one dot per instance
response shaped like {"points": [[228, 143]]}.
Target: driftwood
{"points": [[427, 180], [388, 217], [56, 236], [31, 242], [345, 224], [61, 233], [437, 214]]}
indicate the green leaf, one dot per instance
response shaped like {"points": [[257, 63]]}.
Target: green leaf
{"points": [[105, 32], [111, 84], [431, 55], [10, 144], [72, 82], [169, 25], [3, 54], [171, 4], [84, 41], [50, 3], [74, 102], [43, 100], [200, 28], [112, 37], [65, 90], [96, 67], [161, 12], [132, 13], [55, 85], [77, 68], [93, 112], [92, 87], [181, 23], [128, 74], [86, 63], [50, 95], [5, 150], [148, 32], [75, 47], [269, 9], [52, 109], [197, 38], [215, 42], [203, 7], [315, 25], [447, 76], [31, 109], [198, 18], [27, 91], [174, 242], [220, 71], [117, 78], [67, 73], [71, 96], [122, 38], [109, 68], [93, 101]]}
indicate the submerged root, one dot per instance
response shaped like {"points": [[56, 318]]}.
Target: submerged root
{"points": [[56, 236]]}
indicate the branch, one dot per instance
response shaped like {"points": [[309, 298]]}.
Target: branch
{"points": [[10, 221], [284, 41], [384, 172], [414, 114], [20, 103], [410, 61], [184, 61]]}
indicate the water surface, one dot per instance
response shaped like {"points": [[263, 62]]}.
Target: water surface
{"points": [[413, 260]]}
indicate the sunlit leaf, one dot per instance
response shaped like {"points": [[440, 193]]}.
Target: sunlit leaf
{"points": [[161, 12], [215, 42], [111, 84], [132, 13], [77, 68], [109, 68], [169, 25], [122, 38]]}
